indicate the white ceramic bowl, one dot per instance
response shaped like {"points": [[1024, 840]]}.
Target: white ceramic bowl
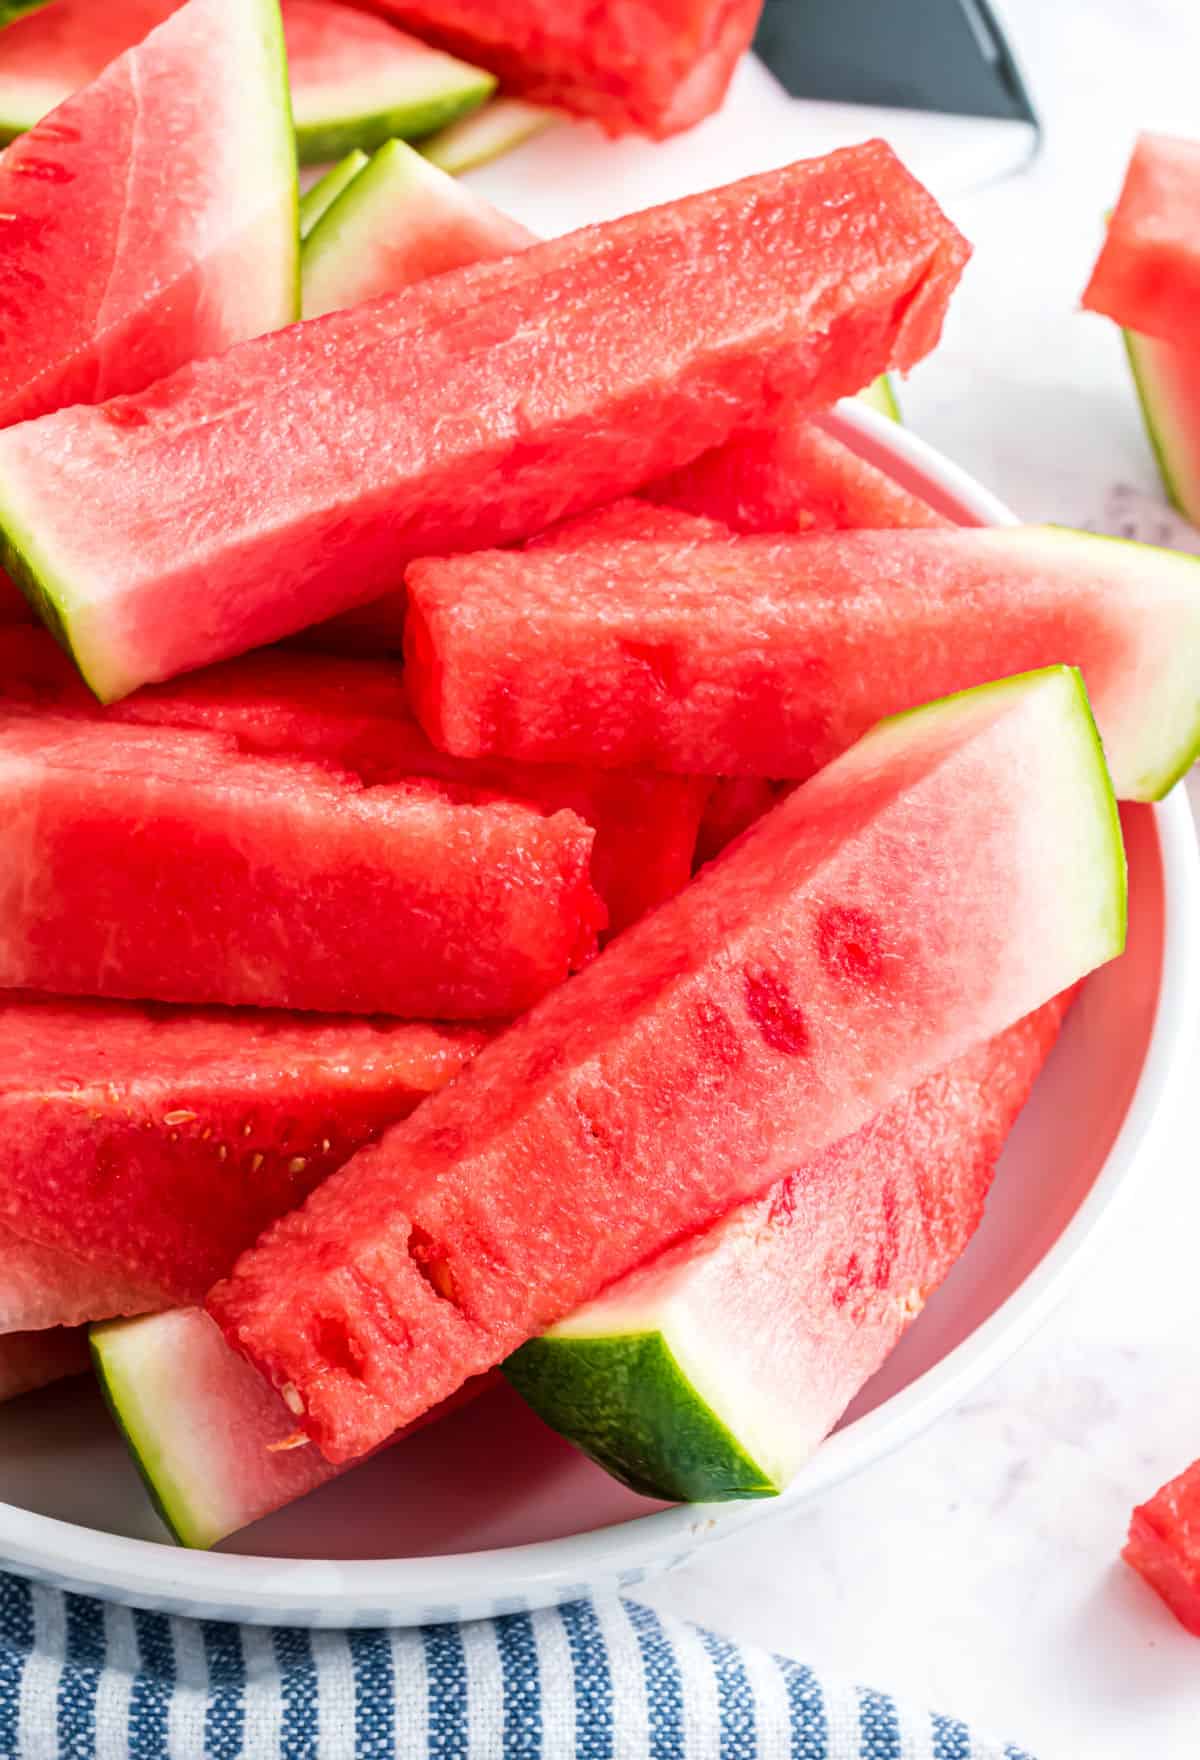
{"points": [[488, 1511]]}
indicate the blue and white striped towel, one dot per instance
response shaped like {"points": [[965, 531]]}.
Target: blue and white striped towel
{"points": [[605, 1680]]}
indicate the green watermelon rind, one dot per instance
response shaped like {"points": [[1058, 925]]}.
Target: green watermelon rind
{"points": [[276, 70], [880, 395], [626, 1403], [317, 201], [457, 90], [121, 1395], [485, 134], [11, 10], [1143, 383]]}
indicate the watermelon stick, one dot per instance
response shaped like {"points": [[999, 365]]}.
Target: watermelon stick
{"points": [[699, 658], [474, 408], [879, 921], [714, 1371], [298, 886]]}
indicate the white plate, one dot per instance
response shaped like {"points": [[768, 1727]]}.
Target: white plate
{"points": [[488, 1511]]}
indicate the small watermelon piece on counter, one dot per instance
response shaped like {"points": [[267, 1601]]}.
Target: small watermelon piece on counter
{"points": [[29, 1360], [355, 713], [299, 886], [176, 167], [153, 1144], [500, 126], [770, 656], [793, 475], [1164, 1546], [714, 1371], [641, 67], [321, 195], [399, 221], [886, 916], [831, 269]]}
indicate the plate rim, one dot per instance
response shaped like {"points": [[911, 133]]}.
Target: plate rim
{"points": [[407, 1591]]}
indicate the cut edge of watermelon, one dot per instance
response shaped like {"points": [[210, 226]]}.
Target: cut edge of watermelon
{"points": [[317, 201], [496, 128], [437, 90]]}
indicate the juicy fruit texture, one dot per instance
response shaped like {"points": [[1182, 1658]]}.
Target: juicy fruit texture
{"points": [[772, 655], [793, 476], [357, 81], [715, 1370], [155, 1143], [399, 221], [835, 267], [628, 518], [1164, 1545], [644, 68], [299, 886], [1167, 376], [918, 894], [327, 189], [210, 1438], [177, 167], [34, 1359], [484, 135], [45, 1287], [355, 713], [1147, 276]]}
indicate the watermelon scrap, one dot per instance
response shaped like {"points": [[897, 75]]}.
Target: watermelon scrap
{"points": [[29, 1360], [1164, 1546], [793, 475], [154, 1144], [1147, 276], [193, 124], [699, 658], [681, 1073], [642, 68], [714, 1371], [836, 267], [300, 887], [355, 713], [397, 222]]}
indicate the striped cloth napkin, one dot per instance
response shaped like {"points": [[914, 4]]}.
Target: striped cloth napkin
{"points": [[602, 1680]]}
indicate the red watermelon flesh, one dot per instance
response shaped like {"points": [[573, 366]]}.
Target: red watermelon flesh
{"points": [[734, 804], [771, 655], [156, 1143], [43, 1286], [29, 1360], [476, 407], [299, 887], [176, 167], [1147, 276], [879, 921], [1164, 1546], [792, 475], [14, 607], [356, 713], [636, 66], [630, 517]]}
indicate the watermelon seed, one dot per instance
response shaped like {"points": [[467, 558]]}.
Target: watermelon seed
{"points": [[247, 1128], [290, 1395], [326, 1145], [297, 1164], [256, 1161], [222, 1151], [296, 1440], [181, 1117]]}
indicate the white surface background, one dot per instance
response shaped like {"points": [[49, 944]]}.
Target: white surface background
{"points": [[977, 1569]]}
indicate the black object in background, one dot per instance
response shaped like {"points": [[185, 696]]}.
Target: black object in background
{"points": [[940, 55]]}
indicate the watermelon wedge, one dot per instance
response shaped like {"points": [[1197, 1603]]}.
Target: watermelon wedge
{"points": [[299, 887], [700, 658], [793, 475], [176, 166], [833, 267], [1167, 377], [29, 1360], [500, 126], [1147, 276], [42, 1287], [355, 713], [714, 1371], [399, 221], [214, 1444], [641, 68], [355, 81], [154, 1144], [1164, 1546], [327, 189], [883, 918]]}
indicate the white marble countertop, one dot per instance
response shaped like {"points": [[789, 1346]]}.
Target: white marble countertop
{"points": [[978, 1569]]}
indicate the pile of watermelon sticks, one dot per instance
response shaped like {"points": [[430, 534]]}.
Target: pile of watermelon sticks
{"points": [[528, 851]]}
